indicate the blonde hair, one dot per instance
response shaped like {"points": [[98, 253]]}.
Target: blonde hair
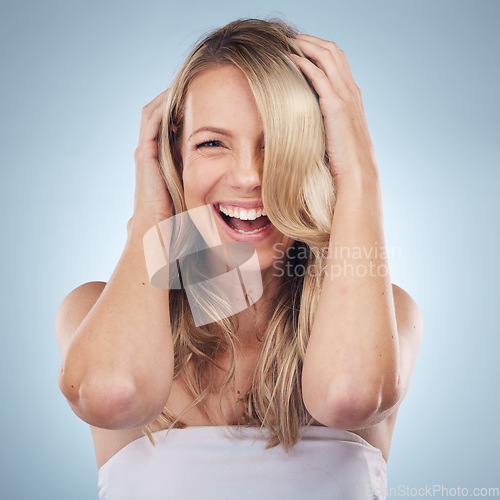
{"points": [[297, 191]]}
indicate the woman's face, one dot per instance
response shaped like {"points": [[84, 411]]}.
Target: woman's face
{"points": [[222, 152]]}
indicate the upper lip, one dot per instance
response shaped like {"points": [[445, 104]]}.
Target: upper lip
{"points": [[241, 204]]}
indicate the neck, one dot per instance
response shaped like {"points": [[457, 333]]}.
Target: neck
{"points": [[253, 320]]}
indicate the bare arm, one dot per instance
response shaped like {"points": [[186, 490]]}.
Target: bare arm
{"points": [[115, 339], [363, 343]]}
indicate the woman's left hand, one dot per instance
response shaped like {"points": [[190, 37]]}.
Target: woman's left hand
{"points": [[348, 143]]}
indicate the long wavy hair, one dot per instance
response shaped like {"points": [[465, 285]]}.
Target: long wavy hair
{"points": [[298, 194]]}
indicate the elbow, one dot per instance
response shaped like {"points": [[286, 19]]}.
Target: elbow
{"points": [[69, 384], [109, 402], [352, 408]]}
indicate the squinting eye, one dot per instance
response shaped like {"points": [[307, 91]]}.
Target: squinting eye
{"points": [[209, 144]]}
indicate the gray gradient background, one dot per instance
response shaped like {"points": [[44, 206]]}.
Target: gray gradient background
{"points": [[74, 78]]}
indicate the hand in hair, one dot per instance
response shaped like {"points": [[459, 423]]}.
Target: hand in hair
{"points": [[348, 141], [152, 201]]}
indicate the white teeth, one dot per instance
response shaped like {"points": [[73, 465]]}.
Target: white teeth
{"points": [[254, 231], [242, 214]]}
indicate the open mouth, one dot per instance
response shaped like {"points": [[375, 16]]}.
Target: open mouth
{"points": [[243, 220]]}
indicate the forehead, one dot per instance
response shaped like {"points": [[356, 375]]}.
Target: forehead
{"points": [[220, 93]]}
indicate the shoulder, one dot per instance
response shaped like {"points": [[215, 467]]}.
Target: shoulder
{"points": [[410, 329], [408, 315], [78, 302], [406, 308], [73, 309]]}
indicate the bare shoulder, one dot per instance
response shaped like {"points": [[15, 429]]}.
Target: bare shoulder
{"points": [[410, 330], [407, 311], [73, 309]]}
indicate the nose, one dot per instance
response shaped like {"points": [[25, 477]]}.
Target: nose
{"points": [[245, 174]]}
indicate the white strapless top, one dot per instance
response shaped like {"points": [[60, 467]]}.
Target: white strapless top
{"points": [[211, 463]]}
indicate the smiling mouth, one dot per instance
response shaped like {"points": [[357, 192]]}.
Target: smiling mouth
{"points": [[244, 221]]}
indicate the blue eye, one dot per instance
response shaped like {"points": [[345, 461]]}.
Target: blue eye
{"points": [[209, 144]]}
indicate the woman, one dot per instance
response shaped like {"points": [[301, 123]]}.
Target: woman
{"points": [[260, 127]]}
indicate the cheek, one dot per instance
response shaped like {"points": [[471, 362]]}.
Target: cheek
{"points": [[192, 189], [197, 185]]}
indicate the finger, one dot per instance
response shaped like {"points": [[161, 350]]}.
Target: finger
{"points": [[323, 86], [341, 59], [158, 99], [332, 60], [331, 46], [151, 117], [328, 62]]}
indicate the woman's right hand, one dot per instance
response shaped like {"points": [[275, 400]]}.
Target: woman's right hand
{"points": [[152, 201]]}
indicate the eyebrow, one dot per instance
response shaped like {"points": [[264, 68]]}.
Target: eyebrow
{"points": [[215, 130]]}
